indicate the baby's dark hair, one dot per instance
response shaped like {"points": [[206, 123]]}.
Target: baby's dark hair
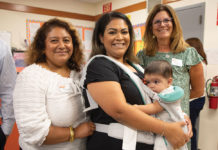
{"points": [[159, 67]]}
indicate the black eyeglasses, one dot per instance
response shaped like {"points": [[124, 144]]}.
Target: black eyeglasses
{"points": [[165, 21]]}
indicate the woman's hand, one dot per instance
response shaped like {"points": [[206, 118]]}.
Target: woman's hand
{"points": [[84, 129], [189, 125], [175, 134]]}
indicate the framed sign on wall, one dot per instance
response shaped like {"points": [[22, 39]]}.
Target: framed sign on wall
{"points": [[19, 57]]}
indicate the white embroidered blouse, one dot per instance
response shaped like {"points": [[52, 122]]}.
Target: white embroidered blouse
{"points": [[42, 98]]}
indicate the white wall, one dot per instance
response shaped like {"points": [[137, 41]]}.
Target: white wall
{"points": [[138, 17], [208, 133], [15, 23], [116, 4], [208, 139], [183, 3]]}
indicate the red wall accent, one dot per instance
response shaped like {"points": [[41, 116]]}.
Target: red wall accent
{"points": [[12, 142]]}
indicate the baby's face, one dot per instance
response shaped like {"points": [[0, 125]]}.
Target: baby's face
{"points": [[157, 82]]}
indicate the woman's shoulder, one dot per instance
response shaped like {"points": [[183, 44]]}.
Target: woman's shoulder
{"points": [[190, 50], [192, 56], [101, 63], [32, 76], [33, 68], [187, 54], [34, 72], [99, 59], [100, 69]]}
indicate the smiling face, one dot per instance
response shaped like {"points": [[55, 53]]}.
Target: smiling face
{"points": [[59, 47], [162, 25], [116, 39], [157, 83]]}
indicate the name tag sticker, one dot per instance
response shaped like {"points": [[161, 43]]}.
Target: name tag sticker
{"points": [[177, 62]]}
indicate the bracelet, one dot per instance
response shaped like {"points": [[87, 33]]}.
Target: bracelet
{"points": [[71, 135], [162, 134]]}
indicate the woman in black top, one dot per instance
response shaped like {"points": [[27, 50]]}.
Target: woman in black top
{"points": [[114, 91]]}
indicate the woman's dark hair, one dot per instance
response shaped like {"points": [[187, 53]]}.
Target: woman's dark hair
{"points": [[36, 51], [196, 43], [100, 26], [159, 67]]}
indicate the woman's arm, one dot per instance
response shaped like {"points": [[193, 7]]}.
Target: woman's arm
{"points": [[111, 99], [150, 109], [62, 134], [31, 116], [197, 81]]}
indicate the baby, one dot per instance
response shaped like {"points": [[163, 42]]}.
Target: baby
{"points": [[158, 77]]}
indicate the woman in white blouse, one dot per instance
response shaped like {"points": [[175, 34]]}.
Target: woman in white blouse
{"points": [[47, 99]]}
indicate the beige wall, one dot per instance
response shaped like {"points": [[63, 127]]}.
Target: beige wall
{"points": [[208, 133], [138, 17], [15, 23], [208, 139], [116, 4]]}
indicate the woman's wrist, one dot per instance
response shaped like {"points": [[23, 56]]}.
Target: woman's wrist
{"points": [[160, 128], [72, 134], [163, 129]]}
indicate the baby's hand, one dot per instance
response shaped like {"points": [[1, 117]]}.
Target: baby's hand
{"points": [[84, 129]]}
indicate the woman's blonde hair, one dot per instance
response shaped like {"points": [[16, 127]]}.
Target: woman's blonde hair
{"points": [[177, 42], [36, 51]]}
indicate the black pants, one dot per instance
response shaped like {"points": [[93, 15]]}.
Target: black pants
{"points": [[2, 139], [195, 108]]}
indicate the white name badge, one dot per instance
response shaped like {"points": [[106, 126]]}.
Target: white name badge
{"points": [[177, 62]]}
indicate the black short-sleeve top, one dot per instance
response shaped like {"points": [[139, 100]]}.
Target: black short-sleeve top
{"points": [[101, 69]]}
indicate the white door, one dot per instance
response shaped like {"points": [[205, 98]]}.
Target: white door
{"points": [[192, 20]]}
